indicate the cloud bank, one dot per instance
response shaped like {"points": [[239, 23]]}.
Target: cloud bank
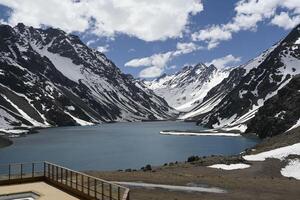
{"points": [[147, 20]]}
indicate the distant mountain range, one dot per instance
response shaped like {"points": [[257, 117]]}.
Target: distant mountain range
{"points": [[233, 97], [186, 89], [50, 78]]}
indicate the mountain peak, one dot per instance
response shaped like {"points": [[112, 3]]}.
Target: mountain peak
{"points": [[187, 86]]}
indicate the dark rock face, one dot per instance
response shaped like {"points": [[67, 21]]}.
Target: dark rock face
{"points": [[50, 78], [249, 86], [279, 113]]}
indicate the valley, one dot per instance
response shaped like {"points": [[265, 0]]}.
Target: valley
{"points": [[51, 79]]}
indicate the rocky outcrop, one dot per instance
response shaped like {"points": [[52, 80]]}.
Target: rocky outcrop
{"points": [[279, 113]]}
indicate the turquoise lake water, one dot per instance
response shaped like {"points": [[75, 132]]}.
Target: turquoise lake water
{"points": [[119, 145]]}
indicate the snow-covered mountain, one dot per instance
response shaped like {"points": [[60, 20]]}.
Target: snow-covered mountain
{"points": [[186, 89], [50, 78], [238, 97]]}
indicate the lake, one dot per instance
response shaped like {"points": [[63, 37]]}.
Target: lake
{"points": [[119, 145]]}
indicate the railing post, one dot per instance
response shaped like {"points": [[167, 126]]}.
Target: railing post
{"points": [[9, 171], [21, 171], [32, 170], [76, 181], [82, 182], [52, 171], [110, 192], [44, 169], [119, 193], [102, 189], [88, 179], [95, 188], [66, 177], [71, 179], [56, 174], [48, 169], [61, 175]]}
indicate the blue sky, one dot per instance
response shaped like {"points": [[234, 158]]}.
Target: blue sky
{"points": [[148, 38]]}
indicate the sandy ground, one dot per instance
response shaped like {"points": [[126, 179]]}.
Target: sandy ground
{"points": [[262, 181]]}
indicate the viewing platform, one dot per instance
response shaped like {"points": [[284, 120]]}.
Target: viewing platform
{"points": [[48, 181]]}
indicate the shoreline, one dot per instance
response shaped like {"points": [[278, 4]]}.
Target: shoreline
{"points": [[244, 182], [5, 142]]}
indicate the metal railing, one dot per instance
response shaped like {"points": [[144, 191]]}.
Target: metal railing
{"points": [[76, 183]]}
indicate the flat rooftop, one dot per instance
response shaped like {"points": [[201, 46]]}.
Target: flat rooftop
{"points": [[44, 190]]}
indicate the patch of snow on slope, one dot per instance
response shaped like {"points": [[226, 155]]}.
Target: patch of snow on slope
{"points": [[230, 167], [292, 169], [187, 88], [5, 119], [258, 60], [24, 114], [217, 78], [204, 108], [62, 64], [295, 126], [279, 153], [79, 121]]}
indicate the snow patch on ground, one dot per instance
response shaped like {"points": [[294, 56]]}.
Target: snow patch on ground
{"points": [[279, 153], [173, 187], [295, 126], [199, 134], [230, 167], [292, 169]]}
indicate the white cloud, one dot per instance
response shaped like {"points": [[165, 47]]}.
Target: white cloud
{"points": [[151, 72], [90, 42], [225, 61], [212, 35], [248, 14], [157, 63], [184, 48], [285, 21], [144, 19], [103, 49], [157, 60]]}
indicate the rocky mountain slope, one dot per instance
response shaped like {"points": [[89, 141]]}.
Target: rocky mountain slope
{"points": [[238, 97], [50, 78], [186, 89], [280, 113]]}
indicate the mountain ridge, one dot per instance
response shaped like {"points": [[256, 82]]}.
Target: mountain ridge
{"points": [[50, 78], [187, 87], [250, 85]]}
